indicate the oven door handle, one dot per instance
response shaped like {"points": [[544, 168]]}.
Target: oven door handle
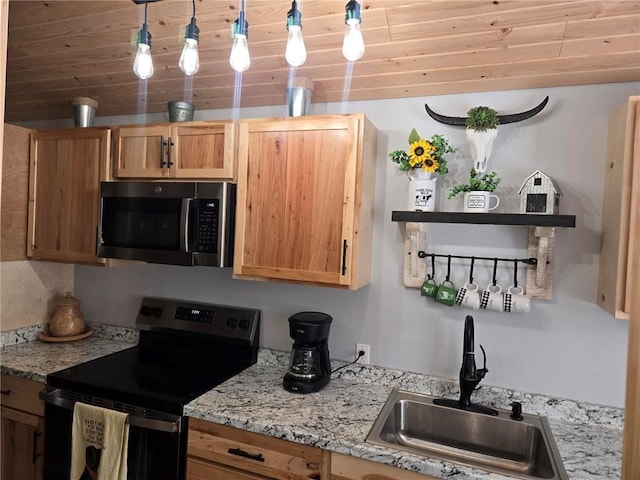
{"points": [[49, 395]]}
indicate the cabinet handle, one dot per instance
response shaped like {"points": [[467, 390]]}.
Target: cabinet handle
{"points": [[162, 144], [5, 392], [242, 453], [34, 452], [344, 257], [169, 145]]}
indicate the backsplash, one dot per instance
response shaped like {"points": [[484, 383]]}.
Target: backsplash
{"points": [[543, 351]]}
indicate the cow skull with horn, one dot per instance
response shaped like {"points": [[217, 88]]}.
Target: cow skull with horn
{"points": [[481, 138]]}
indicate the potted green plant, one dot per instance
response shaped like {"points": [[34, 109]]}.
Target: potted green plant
{"points": [[481, 119], [477, 192], [482, 129]]}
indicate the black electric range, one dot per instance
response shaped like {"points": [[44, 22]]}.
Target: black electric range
{"points": [[184, 350]]}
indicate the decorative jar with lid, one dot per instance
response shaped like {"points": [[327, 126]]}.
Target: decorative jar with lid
{"points": [[67, 320]]}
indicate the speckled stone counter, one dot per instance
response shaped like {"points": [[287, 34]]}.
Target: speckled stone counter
{"points": [[24, 355], [338, 418]]}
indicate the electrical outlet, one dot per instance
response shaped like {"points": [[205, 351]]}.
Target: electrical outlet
{"points": [[363, 347]]}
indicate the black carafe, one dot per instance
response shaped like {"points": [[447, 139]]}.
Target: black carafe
{"points": [[309, 366]]}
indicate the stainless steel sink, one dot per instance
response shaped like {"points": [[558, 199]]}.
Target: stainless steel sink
{"points": [[411, 422]]}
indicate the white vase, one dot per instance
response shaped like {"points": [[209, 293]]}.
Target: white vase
{"points": [[422, 191]]}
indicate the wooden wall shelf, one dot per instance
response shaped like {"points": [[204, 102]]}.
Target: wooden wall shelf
{"points": [[541, 243], [517, 219]]}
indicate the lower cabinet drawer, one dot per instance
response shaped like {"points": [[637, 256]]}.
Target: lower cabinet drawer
{"points": [[21, 394], [202, 470], [344, 467], [254, 453]]}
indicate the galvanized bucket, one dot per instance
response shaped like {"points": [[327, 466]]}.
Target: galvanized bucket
{"points": [[180, 111]]}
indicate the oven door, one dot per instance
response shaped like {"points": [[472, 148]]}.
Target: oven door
{"points": [[157, 447]]}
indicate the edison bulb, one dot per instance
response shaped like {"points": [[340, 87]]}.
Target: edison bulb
{"points": [[189, 60], [353, 45], [239, 59], [296, 53], [143, 64]]}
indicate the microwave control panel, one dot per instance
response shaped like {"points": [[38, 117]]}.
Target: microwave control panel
{"points": [[206, 240]]}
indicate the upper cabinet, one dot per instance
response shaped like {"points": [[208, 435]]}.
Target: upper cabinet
{"points": [[66, 168], [185, 150], [305, 199], [620, 224]]}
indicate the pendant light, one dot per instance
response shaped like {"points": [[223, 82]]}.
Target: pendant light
{"points": [[296, 53], [143, 64], [353, 45], [189, 60], [239, 58]]}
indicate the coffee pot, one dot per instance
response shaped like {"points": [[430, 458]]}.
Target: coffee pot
{"points": [[67, 320], [309, 365]]}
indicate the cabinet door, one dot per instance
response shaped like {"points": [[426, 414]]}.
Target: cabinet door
{"points": [[141, 152], [296, 199], [22, 443], [203, 151], [66, 167]]}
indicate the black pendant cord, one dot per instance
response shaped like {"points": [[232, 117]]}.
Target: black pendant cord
{"points": [[146, 4]]}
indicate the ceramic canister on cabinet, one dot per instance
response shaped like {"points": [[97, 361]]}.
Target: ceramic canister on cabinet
{"points": [[67, 320]]}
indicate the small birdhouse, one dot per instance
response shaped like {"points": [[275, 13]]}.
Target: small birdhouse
{"points": [[539, 194]]}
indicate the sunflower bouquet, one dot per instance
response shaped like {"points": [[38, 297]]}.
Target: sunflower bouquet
{"points": [[427, 155]]}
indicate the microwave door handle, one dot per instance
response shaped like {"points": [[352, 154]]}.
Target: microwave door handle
{"points": [[184, 225]]}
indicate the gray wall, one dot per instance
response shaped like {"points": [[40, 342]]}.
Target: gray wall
{"points": [[566, 347]]}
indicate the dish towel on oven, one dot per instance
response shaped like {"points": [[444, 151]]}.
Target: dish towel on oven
{"points": [[99, 442]]}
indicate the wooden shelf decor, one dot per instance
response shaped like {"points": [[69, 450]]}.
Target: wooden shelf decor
{"points": [[515, 219], [541, 244]]}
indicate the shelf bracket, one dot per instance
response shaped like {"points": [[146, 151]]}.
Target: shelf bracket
{"points": [[542, 245], [415, 240]]}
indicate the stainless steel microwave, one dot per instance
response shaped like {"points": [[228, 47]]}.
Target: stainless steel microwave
{"points": [[177, 223]]}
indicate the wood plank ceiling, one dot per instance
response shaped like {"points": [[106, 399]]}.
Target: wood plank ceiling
{"points": [[61, 49]]}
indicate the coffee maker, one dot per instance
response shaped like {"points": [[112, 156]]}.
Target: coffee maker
{"points": [[309, 366]]}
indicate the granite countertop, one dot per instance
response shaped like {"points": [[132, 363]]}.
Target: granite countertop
{"points": [[24, 355], [339, 417]]}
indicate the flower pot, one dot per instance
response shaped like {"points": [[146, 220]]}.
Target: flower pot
{"points": [[479, 202], [422, 192]]}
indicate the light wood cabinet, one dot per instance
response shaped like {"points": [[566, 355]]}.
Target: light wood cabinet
{"points": [[21, 413], [15, 193], [305, 200], [620, 228], [344, 467], [181, 150], [220, 452], [66, 168]]}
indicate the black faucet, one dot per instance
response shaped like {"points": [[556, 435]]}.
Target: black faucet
{"points": [[470, 376]]}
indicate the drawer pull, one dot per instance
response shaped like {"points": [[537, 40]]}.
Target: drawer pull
{"points": [[5, 392], [242, 453]]}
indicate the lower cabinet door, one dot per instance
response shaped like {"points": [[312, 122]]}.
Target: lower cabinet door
{"points": [[22, 442], [201, 470]]}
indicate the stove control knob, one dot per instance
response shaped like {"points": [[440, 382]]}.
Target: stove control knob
{"points": [[145, 311], [244, 324], [156, 312], [232, 322]]}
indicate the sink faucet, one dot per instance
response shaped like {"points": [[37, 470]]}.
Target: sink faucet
{"points": [[470, 376]]}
